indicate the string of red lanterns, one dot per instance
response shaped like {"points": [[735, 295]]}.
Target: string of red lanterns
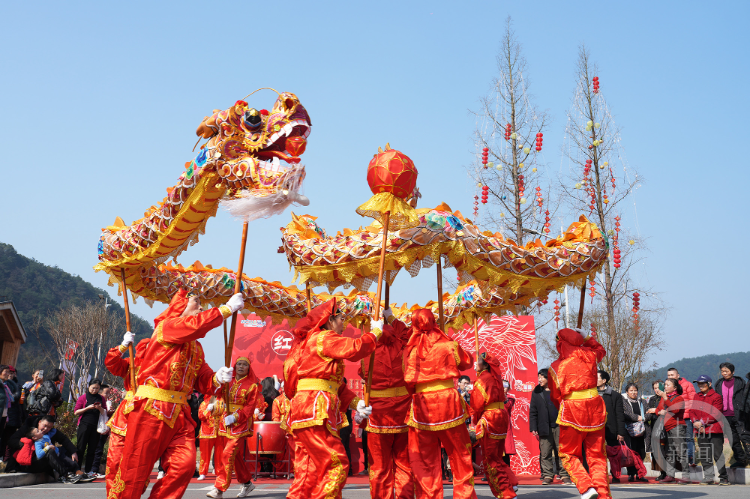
{"points": [[476, 206], [539, 198], [592, 289], [546, 222], [485, 156], [595, 81], [507, 131], [557, 314], [616, 243], [539, 139], [485, 193], [520, 186], [636, 308], [593, 330]]}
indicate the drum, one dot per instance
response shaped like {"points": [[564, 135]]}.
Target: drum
{"points": [[268, 438]]}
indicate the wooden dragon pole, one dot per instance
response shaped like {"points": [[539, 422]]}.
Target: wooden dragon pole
{"points": [[381, 270], [131, 350], [233, 328]]}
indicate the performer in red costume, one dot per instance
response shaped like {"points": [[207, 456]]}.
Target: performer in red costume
{"points": [[280, 413], [171, 367], [431, 362], [118, 424], [208, 414], [582, 413], [318, 395], [388, 439], [235, 425], [488, 404]]}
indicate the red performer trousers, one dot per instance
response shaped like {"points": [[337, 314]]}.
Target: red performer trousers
{"points": [[424, 456], [500, 476], [114, 456], [571, 443], [149, 439], [206, 446], [320, 466], [230, 457], [388, 454]]}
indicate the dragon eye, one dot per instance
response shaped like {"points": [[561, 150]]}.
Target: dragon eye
{"points": [[252, 118]]}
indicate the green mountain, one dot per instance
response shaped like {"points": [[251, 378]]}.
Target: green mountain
{"points": [[693, 367], [36, 289]]}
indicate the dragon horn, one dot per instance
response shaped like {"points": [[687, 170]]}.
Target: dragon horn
{"points": [[380, 150], [388, 146]]}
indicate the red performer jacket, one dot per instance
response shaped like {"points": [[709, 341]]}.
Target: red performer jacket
{"points": [[573, 382], [280, 411], [488, 403], [389, 397], [119, 366], [318, 392], [173, 364], [245, 396], [209, 420], [431, 362]]}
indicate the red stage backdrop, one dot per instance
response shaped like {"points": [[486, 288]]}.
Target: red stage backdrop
{"points": [[510, 338]]}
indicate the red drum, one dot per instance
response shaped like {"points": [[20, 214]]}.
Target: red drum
{"points": [[268, 438]]}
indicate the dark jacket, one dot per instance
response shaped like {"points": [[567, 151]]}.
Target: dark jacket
{"points": [[737, 397], [542, 415], [15, 444], [615, 416], [14, 411], [44, 398]]}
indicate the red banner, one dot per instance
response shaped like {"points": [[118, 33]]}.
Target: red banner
{"points": [[510, 338]]}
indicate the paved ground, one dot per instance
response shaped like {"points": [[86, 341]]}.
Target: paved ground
{"points": [[278, 491]]}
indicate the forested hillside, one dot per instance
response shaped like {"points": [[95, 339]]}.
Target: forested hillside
{"points": [[36, 289]]}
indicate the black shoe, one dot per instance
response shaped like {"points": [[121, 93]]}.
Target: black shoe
{"points": [[631, 479], [643, 480], [84, 478], [615, 480], [196, 474], [723, 481]]}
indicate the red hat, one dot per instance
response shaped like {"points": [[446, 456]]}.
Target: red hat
{"points": [[424, 332], [314, 320], [567, 341], [494, 366], [175, 309]]}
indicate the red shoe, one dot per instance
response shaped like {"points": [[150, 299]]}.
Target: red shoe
{"points": [[668, 479]]}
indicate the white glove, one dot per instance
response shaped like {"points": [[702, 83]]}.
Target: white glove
{"points": [[229, 420], [276, 383], [376, 325], [364, 410], [224, 374], [210, 407], [387, 313], [469, 387], [127, 339], [581, 331], [259, 415], [236, 302]]}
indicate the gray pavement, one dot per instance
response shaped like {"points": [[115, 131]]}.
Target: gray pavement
{"points": [[198, 491]]}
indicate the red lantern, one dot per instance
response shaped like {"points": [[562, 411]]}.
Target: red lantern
{"points": [[392, 171]]}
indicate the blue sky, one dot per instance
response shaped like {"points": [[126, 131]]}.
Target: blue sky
{"points": [[100, 102]]}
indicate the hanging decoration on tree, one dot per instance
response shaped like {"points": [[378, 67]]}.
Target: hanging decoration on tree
{"points": [[546, 222], [476, 206], [485, 156], [539, 139], [592, 289], [485, 193], [593, 330], [557, 314], [636, 308], [616, 243], [595, 82], [507, 131], [521, 189], [539, 198]]}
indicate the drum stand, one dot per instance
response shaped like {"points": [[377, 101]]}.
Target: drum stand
{"points": [[270, 458]]}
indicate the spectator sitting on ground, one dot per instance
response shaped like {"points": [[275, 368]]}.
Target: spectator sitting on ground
{"points": [[543, 425], [47, 462], [731, 389]]}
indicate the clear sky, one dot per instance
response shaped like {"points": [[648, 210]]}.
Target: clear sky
{"points": [[100, 101]]}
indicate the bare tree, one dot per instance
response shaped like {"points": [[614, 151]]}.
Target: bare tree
{"points": [[81, 336], [511, 128]]}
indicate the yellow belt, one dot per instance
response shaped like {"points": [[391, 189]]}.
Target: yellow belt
{"points": [[235, 407], [433, 386], [315, 384], [162, 395], [495, 405], [582, 394], [129, 395], [396, 391]]}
